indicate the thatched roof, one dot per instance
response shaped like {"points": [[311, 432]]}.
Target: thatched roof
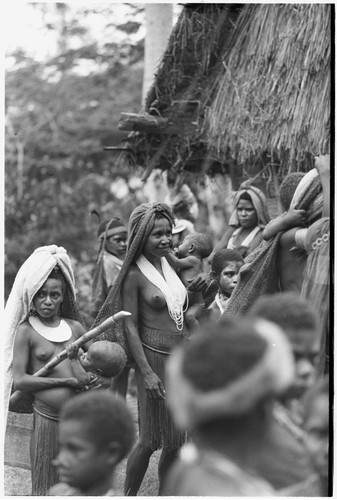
{"points": [[180, 90], [273, 92], [240, 84]]}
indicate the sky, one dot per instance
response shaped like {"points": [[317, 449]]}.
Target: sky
{"points": [[27, 30]]}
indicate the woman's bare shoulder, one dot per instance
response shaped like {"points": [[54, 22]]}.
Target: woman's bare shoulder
{"points": [[132, 275], [75, 326], [24, 328]]}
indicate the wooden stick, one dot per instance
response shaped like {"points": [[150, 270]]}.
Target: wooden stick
{"points": [[91, 334], [42, 372]]}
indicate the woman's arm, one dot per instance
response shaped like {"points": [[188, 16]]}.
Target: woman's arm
{"points": [[23, 380], [130, 298], [322, 164], [224, 241], [285, 221]]}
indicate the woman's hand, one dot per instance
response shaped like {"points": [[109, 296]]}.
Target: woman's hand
{"points": [[72, 351], [154, 386], [322, 164], [200, 283], [74, 383], [99, 382], [294, 218]]}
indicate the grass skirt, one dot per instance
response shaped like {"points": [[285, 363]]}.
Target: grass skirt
{"points": [[156, 426], [43, 449]]}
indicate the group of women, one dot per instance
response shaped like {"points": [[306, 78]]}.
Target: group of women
{"points": [[42, 319]]}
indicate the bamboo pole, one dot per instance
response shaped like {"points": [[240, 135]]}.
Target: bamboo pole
{"points": [[86, 337]]}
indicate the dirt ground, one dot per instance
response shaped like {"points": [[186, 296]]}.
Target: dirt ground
{"points": [[17, 481]]}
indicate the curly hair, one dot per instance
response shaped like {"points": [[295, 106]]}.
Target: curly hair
{"points": [[287, 310], [220, 260], [105, 417], [223, 354], [288, 187]]}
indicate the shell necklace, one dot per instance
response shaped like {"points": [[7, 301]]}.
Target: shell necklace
{"points": [[59, 333]]}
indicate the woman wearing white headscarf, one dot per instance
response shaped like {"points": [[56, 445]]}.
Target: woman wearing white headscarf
{"points": [[41, 318]]}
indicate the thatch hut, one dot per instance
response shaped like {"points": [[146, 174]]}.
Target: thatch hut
{"points": [[240, 85], [272, 94]]}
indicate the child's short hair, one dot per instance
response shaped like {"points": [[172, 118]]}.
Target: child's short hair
{"points": [[320, 388], [203, 243], [105, 416], [108, 357], [287, 310], [288, 187], [235, 341], [222, 257]]}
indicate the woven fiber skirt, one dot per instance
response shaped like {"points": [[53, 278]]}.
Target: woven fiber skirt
{"points": [[43, 449], [156, 425]]}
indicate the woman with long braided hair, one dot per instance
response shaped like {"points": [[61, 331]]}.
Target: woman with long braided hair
{"points": [[149, 288]]}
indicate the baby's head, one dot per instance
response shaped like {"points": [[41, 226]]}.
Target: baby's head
{"points": [[288, 187], [198, 244], [96, 431], [104, 358], [316, 425], [226, 265]]}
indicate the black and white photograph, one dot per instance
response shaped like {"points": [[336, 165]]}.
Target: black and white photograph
{"points": [[167, 256]]}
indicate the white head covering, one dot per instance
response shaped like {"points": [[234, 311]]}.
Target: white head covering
{"points": [[29, 279]]}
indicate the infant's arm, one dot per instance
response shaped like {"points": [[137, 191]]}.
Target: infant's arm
{"points": [[183, 263], [285, 221], [79, 372]]}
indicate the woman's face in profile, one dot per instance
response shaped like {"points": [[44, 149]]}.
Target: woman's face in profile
{"points": [[246, 214], [160, 239]]}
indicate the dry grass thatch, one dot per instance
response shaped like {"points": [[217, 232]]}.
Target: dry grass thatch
{"points": [[273, 91], [180, 90]]}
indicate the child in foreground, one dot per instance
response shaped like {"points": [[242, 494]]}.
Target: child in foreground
{"points": [[96, 431], [189, 263], [103, 358], [316, 425], [226, 265]]}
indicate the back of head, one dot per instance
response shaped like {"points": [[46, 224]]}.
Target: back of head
{"points": [[287, 310], [288, 187], [222, 257], [104, 416], [108, 357], [224, 353], [203, 244]]}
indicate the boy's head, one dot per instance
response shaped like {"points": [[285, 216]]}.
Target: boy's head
{"points": [[96, 431], [288, 187], [235, 361], [316, 425], [198, 244], [104, 358], [299, 322], [226, 265]]}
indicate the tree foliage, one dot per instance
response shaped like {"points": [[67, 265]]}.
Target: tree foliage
{"points": [[60, 114]]}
